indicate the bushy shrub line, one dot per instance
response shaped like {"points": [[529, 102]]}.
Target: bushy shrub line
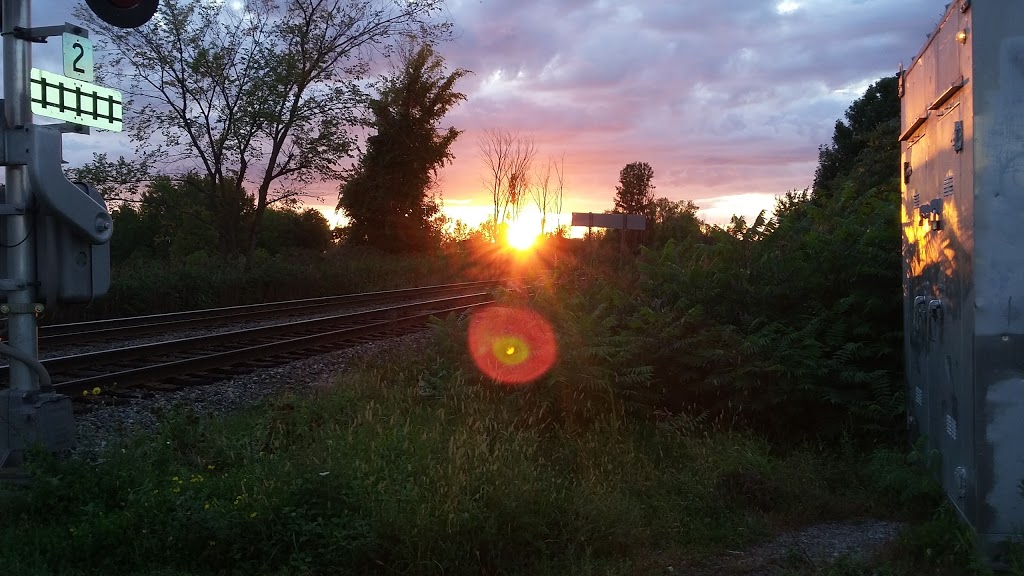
{"points": [[147, 286]]}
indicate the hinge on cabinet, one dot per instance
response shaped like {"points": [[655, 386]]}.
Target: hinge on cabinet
{"points": [[958, 136], [960, 475]]}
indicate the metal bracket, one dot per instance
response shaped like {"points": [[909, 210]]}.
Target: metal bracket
{"points": [[69, 128], [901, 82], [21, 308], [958, 136], [15, 146], [39, 34], [920, 312], [12, 209], [932, 212], [66, 199], [11, 285]]}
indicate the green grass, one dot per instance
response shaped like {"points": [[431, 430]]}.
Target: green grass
{"points": [[410, 465]]}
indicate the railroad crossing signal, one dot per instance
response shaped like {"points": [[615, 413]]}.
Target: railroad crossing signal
{"points": [[76, 101], [54, 234], [124, 13]]}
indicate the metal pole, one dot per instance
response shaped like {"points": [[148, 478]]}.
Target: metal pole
{"points": [[21, 320]]}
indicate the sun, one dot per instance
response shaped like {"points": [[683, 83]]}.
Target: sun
{"points": [[521, 234]]}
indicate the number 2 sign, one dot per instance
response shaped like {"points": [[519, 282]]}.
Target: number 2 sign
{"points": [[77, 57]]}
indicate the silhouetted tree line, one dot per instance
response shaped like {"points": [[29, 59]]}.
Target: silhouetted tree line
{"points": [[172, 220]]}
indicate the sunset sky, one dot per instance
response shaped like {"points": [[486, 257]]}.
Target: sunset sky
{"points": [[728, 101]]}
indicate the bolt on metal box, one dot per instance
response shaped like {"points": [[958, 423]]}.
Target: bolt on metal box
{"points": [[962, 173]]}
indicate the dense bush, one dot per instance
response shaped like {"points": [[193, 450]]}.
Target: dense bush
{"points": [[791, 324]]}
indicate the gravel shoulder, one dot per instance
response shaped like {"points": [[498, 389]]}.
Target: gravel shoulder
{"points": [[807, 551], [101, 426]]}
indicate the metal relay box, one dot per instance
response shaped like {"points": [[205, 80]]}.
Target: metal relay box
{"points": [[962, 172]]}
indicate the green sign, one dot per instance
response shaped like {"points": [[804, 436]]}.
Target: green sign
{"points": [[76, 101], [77, 57]]}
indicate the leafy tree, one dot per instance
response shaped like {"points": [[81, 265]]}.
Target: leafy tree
{"points": [[255, 92], [118, 181], [387, 197], [287, 229], [674, 221], [134, 236], [878, 108], [181, 224], [635, 193]]}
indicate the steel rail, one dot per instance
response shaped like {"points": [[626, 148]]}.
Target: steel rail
{"points": [[120, 356], [262, 352], [79, 332]]}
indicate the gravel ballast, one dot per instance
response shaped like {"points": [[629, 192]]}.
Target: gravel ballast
{"points": [[104, 425]]}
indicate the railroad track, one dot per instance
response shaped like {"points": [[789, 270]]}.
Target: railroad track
{"points": [[175, 363], [124, 328]]}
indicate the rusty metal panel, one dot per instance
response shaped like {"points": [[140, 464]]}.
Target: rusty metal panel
{"points": [[963, 199]]}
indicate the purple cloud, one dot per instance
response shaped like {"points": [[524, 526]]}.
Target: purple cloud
{"points": [[724, 99]]}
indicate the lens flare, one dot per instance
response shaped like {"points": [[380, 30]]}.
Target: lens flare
{"points": [[511, 345]]}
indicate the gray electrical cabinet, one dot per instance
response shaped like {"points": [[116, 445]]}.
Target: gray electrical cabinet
{"points": [[962, 172]]}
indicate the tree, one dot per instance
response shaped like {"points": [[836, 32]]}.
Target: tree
{"points": [[256, 92], [287, 229], [635, 193], [508, 158], [176, 216], [118, 181], [547, 193], [387, 195], [674, 221], [878, 108]]}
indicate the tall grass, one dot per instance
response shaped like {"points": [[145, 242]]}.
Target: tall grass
{"points": [[413, 464]]}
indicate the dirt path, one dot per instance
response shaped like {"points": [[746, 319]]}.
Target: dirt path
{"points": [[805, 551]]}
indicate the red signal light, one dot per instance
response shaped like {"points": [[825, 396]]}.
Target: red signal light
{"points": [[124, 13]]}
